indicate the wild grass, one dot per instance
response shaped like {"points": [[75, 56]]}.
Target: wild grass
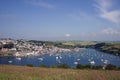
{"points": [[9, 72]]}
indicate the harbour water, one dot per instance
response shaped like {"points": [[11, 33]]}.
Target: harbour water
{"points": [[86, 56]]}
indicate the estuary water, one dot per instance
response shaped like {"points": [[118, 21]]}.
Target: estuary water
{"points": [[85, 56]]}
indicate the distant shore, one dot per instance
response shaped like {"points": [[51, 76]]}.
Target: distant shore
{"points": [[110, 48], [38, 53], [11, 47]]}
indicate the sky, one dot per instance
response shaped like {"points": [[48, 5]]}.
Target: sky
{"points": [[94, 20]]}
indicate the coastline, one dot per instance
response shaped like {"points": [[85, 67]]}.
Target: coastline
{"points": [[109, 48], [39, 53]]}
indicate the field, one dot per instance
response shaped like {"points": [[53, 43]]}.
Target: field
{"points": [[79, 43], [110, 47], [9, 72]]}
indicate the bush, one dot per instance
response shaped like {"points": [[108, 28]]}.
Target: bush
{"points": [[10, 54], [111, 67], [79, 66], [29, 65], [0, 54], [97, 67], [63, 66], [118, 68], [43, 66], [54, 66], [88, 66]]}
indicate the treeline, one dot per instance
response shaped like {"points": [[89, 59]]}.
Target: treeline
{"points": [[60, 44], [47, 43], [50, 43], [79, 66]]}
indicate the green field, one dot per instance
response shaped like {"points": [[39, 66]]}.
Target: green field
{"points": [[82, 43], [109, 47], [9, 72]]}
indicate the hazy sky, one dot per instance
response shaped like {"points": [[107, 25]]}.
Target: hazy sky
{"points": [[60, 19]]}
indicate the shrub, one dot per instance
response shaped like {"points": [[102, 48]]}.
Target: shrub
{"points": [[88, 66], [29, 65], [43, 66], [79, 66], [10, 54], [63, 66], [110, 67], [118, 68], [54, 66], [97, 67]]}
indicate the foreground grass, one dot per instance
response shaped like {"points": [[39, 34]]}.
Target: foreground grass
{"points": [[9, 72]]}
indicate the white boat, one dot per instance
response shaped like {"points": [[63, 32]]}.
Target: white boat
{"points": [[57, 57], [10, 61], [60, 57], [102, 60], [51, 54], [18, 58], [59, 61], [92, 62], [106, 62], [78, 59], [75, 63], [41, 59]]}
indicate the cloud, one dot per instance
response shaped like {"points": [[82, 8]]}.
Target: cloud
{"points": [[40, 3], [67, 35], [110, 31], [105, 8]]}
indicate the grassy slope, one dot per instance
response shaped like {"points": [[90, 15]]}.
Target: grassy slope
{"points": [[82, 43], [8, 72], [111, 47]]}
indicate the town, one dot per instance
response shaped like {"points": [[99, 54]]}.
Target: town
{"points": [[11, 47]]}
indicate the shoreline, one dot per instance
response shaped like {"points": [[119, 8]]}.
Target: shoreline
{"points": [[38, 53]]}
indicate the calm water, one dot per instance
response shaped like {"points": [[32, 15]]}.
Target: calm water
{"points": [[72, 59]]}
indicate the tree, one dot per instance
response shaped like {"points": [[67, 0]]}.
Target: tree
{"points": [[29, 65], [79, 66], [63, 66], [110, 67]]}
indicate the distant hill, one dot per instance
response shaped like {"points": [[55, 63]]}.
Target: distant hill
{"points": [[109, 47]]}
